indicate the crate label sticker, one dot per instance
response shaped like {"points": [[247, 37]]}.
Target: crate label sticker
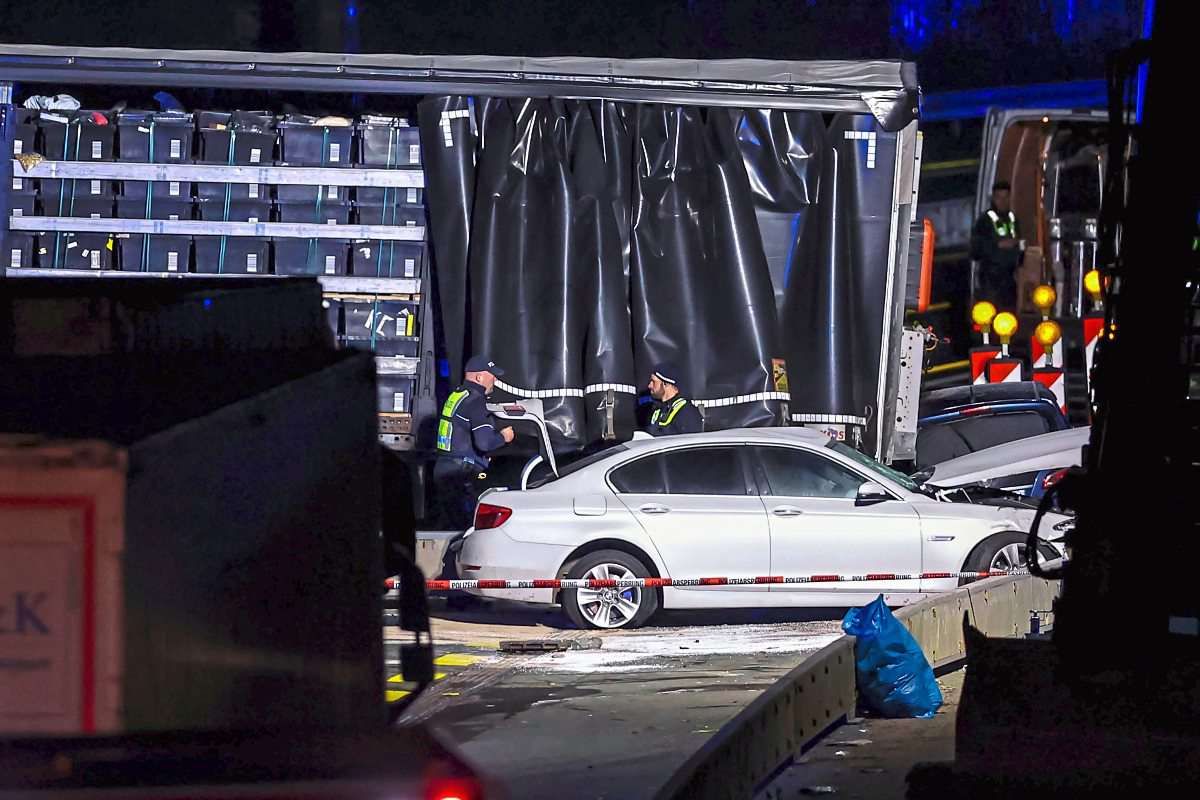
{"points": [[331, 221], [332, 193], [365, 252], [96, 215], [40, 628], [95, 259], [397, 401], [252, 191], [96, 149], [412, 223], [18, 212], [173, 261], [330, 265], [18, 183], [18, 147], [176, 148], [173, 217], [143, 129], [335, 152], [414, 154], [253, 219], [69, 245], [255, 155], [410, 267], [95, 187], [252, 262], [173, 188], [15, 258], [412, 196]]}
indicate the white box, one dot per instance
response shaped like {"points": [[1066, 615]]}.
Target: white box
{"points": [[61, 542]]}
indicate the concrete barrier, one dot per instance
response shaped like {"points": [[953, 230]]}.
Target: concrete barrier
{"points": [[820, 693]]}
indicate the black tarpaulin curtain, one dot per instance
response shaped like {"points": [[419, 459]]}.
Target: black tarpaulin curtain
{"points": [[594, 239]]}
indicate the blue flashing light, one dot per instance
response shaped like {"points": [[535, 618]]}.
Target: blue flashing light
{"points": [[351, 11], [208, 302], [444, 367]]}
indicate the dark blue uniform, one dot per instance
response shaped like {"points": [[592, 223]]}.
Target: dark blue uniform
{"points": [[466, 434], [676, 415]]}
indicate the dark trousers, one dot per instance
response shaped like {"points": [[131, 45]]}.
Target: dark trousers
{"points": [[997, 284], [457, 485]]}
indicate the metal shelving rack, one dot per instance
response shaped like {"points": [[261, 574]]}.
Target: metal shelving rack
{"points": [[395, 429]]}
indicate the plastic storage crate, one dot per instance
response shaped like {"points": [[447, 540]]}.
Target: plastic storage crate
{"points": [[20, 250], [330, 213], [387, 326], [24, 131], [387, 142], [22, 203], [58, 195], [77, 251], [141, 208], [333, 315], [390, 214], [243, 138], [241, 255], [156, 138], [387, 259], [395, 392], [311, 256], [77, 135], [153, 253], [218, 211], [303, 143]]}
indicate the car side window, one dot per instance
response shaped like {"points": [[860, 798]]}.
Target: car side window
{"points": [[644, 476], [705, 470], [696, 470], [792, 472]]}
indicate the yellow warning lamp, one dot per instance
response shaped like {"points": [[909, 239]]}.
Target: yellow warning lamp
{"points": [[1044, 298], [1091, 283], [1005, 325], [982, 314], [1047, 334]]}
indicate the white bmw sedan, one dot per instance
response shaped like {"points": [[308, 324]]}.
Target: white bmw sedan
{"points": [[737, 504]]}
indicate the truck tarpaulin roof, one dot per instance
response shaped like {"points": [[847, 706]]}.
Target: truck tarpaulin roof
{"points": [[885, 89]]}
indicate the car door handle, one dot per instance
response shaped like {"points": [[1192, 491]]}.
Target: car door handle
{"points": [[787, 511], [653, 508]]}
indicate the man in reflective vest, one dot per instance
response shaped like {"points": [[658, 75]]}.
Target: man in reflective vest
{"points": [[673, 413], [466, 436], [996, 245]]}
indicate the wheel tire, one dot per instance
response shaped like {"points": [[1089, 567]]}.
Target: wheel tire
{"points": [[991, 554], [585, 614]]}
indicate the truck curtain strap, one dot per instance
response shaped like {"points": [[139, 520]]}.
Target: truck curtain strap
{"points": [[625, 388], [833, 419]]}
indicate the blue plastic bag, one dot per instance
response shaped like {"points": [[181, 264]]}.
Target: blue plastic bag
{"points": [[894, 679]]}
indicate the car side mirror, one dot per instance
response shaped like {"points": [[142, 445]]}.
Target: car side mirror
{"points": [[870, 493]]}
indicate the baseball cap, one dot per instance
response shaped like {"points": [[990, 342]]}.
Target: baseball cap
{"points": [[483, 364]]}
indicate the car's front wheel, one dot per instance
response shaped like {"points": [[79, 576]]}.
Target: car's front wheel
{"points": [[608, 608], [1001, 553]]}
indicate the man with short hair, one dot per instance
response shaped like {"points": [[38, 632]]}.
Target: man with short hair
{"points": [[466, 437], [673, 413], [996, 245]]}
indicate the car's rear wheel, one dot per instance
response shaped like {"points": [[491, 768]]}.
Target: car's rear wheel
{"points": [[1000, 553], [609, 608]]}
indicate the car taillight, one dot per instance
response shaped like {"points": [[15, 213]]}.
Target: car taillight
{"points": [[1053, 478], [490, 516]]}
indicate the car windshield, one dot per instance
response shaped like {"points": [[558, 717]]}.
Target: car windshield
{"points": [[874, 466]]}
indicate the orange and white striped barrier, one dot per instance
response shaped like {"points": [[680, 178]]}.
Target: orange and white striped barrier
{"points": [[980, 356], [1054, 379], [1004, 370]]}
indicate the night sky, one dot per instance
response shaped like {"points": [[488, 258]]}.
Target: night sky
{"points": [[956, 43]]}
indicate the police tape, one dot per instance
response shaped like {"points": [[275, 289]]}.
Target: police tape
{"points": [[656, 583]]}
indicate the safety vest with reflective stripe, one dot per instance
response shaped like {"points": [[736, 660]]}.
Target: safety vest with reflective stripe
{"points": [[1005, 228], [445, 433], [676, 404]]}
